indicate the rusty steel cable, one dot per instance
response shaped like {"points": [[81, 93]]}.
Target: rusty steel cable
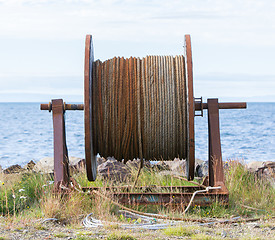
{"points": [[139, 108]]}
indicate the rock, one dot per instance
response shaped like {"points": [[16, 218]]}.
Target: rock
{"points": [[263, 170], [201, 168], [134, 164], [199, 161], [177, 166], [46, 164], [30, 165], [114, 170], [100, 160], [254, 166], [161, 166], [223, 234], [13, 169], [198, 171], [269, 164], [76, 164]]}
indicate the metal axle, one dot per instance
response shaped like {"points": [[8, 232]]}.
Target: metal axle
{"points": [[198, 106]]}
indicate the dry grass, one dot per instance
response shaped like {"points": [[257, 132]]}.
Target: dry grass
{"points": [[40, 202], [248, 190]]}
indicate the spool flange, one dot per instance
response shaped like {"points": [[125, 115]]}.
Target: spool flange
{"points": [[91, 163], [190, 160]]}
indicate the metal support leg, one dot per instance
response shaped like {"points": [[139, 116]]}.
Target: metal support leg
{"points": [[61, 161], [216, 174]]}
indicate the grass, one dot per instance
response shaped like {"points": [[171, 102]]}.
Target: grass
{"points": [[191, 232], [147, 177], [18, 192], [115, 236], [30, 195], [60, 235], [179, 231], [247, 189]]}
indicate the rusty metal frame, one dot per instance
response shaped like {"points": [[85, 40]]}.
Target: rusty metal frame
{"points": [[61, 161], [215, 163], [181, 197], [183, 194]]}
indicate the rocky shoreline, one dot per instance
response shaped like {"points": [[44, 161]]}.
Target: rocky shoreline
{"points": [[114, 169]]}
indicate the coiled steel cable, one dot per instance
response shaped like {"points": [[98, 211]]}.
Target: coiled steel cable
{"points": [[139, 108]]}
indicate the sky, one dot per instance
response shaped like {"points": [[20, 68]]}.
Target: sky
{"points": [[42, 44]]}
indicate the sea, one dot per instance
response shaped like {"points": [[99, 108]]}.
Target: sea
{"points": [[26, 133]]}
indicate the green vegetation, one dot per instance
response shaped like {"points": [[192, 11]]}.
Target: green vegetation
{"points": [[18, 192], [119, 237], [60, 235], [246, 189], [179, 231], [191, 232], [31, 195], [84, 238], [146, 177]]}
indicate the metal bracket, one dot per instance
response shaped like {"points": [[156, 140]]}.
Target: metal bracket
{"points": [[198, 102]]}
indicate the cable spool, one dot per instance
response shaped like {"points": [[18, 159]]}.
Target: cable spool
{"points": [[138, 108]]}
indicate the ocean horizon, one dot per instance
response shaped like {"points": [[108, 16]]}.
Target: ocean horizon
{"points": [[26, 133]]}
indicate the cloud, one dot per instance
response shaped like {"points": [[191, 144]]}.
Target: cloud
{"points": [[236, 86], [240, 22], [46, 38]]}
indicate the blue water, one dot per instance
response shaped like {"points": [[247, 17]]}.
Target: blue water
{"points": [[26, 133]]}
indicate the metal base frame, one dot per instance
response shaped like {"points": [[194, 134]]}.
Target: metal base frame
{"points": [[183, 194]]}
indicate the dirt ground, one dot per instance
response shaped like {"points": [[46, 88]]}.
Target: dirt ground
{"points": [[263, 229]]}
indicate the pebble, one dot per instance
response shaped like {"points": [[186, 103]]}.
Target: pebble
{"points": [[224, 234]]}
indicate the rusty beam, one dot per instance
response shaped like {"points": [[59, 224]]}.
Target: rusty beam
{"points": [[215, 164], [228, 105], [144, 189], [61, 161], [162, 195], [176, 199], [180, 199]]}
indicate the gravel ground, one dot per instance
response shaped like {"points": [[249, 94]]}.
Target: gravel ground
{"points": [[264, 229]]}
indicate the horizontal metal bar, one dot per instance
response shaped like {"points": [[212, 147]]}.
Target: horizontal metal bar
{"points": [[66, 106], [147, 196], [181, 199], [180, 189], [170, 198], [74, 106], [228, 105]]}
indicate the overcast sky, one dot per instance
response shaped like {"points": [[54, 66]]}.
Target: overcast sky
{"points": [[42, 44]]}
